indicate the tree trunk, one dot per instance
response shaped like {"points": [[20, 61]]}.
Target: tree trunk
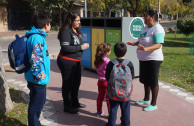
{"points": [[109, 12], [6, 104]]}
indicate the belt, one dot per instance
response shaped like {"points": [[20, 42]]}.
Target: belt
{"points": [[67, 58]]}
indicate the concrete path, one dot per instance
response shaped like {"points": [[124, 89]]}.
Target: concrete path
{"points": [[175, 106]]}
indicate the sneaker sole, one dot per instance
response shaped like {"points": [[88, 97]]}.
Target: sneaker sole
{"points": [[142, 104], [150, 110]]}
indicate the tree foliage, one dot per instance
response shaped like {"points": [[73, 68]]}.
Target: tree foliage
{"points": [[110, 5], [180, 7], [50, 4], [3, 1], [107, 6], [135, 7], [168, 7], [63, 6], [187, 1], [186, 26], [95, 5]]}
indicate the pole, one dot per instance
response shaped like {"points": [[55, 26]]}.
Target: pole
{"points": [[105, 9], [85, 8], [158, 9]]}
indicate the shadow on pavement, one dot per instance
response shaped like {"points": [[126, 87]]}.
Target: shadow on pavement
{"points": [[82, 94], [84, 117]]}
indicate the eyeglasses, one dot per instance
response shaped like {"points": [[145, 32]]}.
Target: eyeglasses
{"points": [[77, 20]]}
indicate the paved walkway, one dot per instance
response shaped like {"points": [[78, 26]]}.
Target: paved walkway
{"points": [[175, 106]]}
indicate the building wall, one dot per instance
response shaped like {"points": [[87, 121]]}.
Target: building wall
{"points": [[3, 18], [19, 15]]}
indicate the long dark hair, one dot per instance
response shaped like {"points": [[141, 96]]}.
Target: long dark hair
{"points": [[101, 50], [68, 23]]}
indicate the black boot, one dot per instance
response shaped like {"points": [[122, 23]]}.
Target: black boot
{"points": [[71, 110], [79, 105]]}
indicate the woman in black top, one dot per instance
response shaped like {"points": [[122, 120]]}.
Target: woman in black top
{"points": [[69, 61]]}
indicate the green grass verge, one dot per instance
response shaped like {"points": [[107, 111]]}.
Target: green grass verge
{"points": [[178, 66], [18, 116]]}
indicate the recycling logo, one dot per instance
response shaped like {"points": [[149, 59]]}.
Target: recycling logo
{"points": [[136, 26]]}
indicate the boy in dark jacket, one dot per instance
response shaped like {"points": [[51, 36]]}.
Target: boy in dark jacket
{"points": [[120, 50]]}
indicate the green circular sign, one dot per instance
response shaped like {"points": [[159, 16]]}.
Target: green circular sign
{"points": [[136, 27]]}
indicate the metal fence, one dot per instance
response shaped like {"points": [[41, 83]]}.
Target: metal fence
{"points": [[191, 50]]}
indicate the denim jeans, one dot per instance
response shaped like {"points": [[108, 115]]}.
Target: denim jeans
{"points": [[37, 101], [125, 112]]}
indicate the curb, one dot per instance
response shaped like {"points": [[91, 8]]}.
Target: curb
{"points": [[7, 37], [179, 92], [48, 115], [13, 36]]}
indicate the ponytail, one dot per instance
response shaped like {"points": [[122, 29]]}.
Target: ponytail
{"points": [[101, 50]]}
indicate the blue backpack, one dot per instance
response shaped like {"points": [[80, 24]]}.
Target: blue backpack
{"points": [[18, 56]]}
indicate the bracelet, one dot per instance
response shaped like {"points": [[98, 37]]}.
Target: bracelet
{"points": [[136, 43]]}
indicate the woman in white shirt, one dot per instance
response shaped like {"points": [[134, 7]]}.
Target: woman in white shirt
{"points": [[149, 53]]}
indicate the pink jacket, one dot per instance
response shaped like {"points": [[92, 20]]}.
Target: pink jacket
{"points": [[101, 69]]}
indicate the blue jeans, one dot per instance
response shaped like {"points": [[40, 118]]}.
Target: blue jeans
{"points": [[37, 101], [125, 113]]}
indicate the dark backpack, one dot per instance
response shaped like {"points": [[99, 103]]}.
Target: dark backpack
{"points": [[120, 85], [18, 56]]}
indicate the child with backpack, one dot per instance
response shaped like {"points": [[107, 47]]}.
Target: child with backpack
{"points": [[38, 75], [119, 74], [101, 60]]}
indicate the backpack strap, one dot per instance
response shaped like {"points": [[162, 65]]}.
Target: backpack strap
{"points": [[115, 61], [125, 61], [37, 34]]}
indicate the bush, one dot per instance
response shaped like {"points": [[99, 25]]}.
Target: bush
{"points": [[186, 26], [55, 28]]}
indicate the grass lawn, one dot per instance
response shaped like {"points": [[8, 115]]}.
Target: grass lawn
{"points": [[18, 116], [178, 66]]}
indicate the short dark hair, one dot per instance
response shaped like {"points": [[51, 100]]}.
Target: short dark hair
{"points": [[41, 19], [120, 49], [153, 13]]}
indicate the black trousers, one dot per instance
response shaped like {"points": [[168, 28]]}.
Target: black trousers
{"points": [[71, 79]]}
